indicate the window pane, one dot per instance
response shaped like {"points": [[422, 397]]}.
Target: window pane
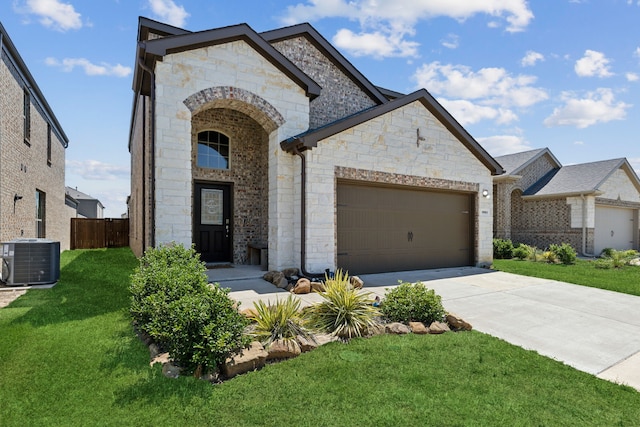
{"points": [[213, 150]]}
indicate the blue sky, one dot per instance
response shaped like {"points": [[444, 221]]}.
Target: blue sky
{"points": [[563, 74]]}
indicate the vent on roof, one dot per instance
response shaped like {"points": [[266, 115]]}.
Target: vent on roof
{"points": [[30, 262]]}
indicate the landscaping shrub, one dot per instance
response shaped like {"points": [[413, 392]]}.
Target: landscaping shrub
{"points": [[412, 302], [523, 251], [345, 311], [281, 320], [502, 249], [173, 303], [564, 253], [616, 258]]}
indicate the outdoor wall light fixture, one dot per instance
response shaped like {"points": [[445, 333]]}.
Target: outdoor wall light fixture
{"points": [[15, 199], [485, 194]]}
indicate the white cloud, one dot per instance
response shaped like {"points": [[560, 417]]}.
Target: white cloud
{"points": [[466, 112], [595, 107], [385, 24], [452, 41], [90, 69], [499, 145], [96, 170], [169, 12], [531, 58], [632, 77], [578, 142], [375, 44], [52, 13], [593, 63], [493, 86]]}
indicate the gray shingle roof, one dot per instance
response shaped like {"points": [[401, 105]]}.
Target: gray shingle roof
{"points": [[575, 179], [514, 163]]}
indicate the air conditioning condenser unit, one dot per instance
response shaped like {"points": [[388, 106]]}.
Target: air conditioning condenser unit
{"points": [[30, 262]]}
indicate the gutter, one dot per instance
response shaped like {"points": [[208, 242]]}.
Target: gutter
{"points": [[584, 227], [303, 216], [152, 139]]}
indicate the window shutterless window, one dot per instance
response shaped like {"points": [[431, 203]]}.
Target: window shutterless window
{"points": [[213, 150], [40, 214], [26, 115]]}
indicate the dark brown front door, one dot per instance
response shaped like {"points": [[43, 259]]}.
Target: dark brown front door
{"points": [[212, 222]]}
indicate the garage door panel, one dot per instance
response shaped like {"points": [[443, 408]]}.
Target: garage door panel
{"points": [[395, 228], [614, 228]]}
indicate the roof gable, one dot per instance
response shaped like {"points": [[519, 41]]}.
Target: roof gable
{"points": [[178, 40], [515, 163], [309, 139], [584, 178], [306, 30]]}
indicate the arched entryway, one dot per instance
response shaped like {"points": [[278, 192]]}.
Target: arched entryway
{"points": [[230, 164]]}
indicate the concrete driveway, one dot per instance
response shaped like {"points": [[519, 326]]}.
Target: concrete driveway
{"points": [[592, 330]]}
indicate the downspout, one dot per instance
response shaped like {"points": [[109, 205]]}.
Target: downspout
{"points": [[303, 216], [584, 227], [152, 138]]}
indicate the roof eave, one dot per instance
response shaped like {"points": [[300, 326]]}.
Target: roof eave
{"points": [[563, 195], [158, 48]]}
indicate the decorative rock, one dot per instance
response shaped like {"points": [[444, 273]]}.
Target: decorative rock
{"points": [[283, 349], [356, 282], [323, 339], [635, 262], [249, 313], [161, 358], [249, 359], [290, 272], [458, 323], [438, 328], [317, 287], [268, 276], [418, 328], [376, 329], [170, 370], [303, 286], [306, 344], [397, 328]]}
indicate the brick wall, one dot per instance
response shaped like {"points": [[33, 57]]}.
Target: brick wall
{"points": [[24, 167], [340, 96], [247, 171]]}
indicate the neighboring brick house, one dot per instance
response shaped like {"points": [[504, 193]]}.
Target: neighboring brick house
{"points": [[86, 206], [242, 139], [591, 206], [32, 154]]}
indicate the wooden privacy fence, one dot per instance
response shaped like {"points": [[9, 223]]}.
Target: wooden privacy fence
{"points": [[89, 233]]}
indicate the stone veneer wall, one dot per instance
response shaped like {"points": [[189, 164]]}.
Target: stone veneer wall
{"points": [[236, 64], [384, 149], [24, 167], [247, 171], [340, 96]]}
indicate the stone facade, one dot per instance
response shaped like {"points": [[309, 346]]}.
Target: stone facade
{"points": [[384, 150], [27, 166], [234, 88]]}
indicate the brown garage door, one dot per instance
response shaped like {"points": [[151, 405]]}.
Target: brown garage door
{"points": [[397, 228]]}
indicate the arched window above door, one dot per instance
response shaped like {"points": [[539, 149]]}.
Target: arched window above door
{"points": [[213, 150]]}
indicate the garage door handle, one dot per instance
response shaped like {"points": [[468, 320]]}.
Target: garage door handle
{"points": [[612, 233], [410, 236]]}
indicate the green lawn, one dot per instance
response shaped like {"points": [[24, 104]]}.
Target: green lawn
{"points": [[583, 272], [69, 357]]}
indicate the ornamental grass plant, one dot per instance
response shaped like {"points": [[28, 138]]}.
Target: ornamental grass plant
{"points": [[345, 311]]}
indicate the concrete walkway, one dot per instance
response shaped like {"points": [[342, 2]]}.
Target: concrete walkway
{"points": [[592, 330]]}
